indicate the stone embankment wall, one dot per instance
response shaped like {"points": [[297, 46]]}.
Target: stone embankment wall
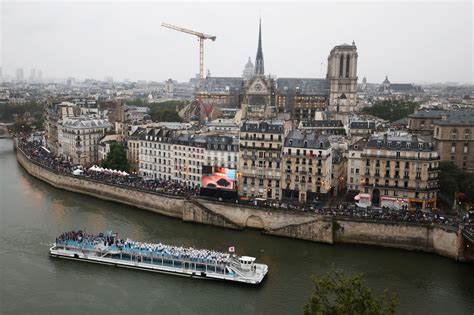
{"points": [[304, 226]]}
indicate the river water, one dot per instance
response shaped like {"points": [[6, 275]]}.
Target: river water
{"points": [[32, 213]]}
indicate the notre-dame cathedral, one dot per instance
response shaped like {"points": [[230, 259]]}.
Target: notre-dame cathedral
{"points": [[262, 96]]}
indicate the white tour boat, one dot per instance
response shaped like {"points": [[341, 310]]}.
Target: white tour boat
{"points": [[107, 248]]}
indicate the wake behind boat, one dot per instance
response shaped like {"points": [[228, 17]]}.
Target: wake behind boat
{"points": [[107, 248]]}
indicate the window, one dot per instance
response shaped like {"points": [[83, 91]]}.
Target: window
{"points": [[467, 134], [454, 134], [465, 148], [453, 148]]}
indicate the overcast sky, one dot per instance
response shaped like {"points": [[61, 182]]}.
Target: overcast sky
{"points": [[411, 42]]}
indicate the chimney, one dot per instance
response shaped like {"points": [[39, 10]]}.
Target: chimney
{"points": [[385, 138]]}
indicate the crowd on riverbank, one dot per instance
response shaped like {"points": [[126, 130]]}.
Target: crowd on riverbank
{"points": [[35, 151]]}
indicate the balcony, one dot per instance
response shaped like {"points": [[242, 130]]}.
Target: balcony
{"points": [[400, 188], [392, 157]]}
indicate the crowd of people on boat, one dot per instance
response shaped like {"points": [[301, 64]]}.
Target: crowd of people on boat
{"points": [[111, 242], [35, 151], [177, 252]]}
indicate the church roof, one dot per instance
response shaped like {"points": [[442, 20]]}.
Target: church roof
{"points": [[305, 85]]}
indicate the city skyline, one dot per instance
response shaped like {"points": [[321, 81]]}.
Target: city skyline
{"points": [[142, 50]]}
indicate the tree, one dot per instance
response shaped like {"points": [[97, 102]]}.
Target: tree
{"points": [[21, 126], [452, 179], [166, 111], [392, 110], [117, 158], [336, 293]]}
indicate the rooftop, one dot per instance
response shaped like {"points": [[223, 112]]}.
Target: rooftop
{"points": [[362, 125], [428, 114], [401, 143], [85, 123], [322, 123], [304, 139], [264, 126], [457, 118]]}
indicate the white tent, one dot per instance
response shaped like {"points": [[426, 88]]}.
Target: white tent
{"points": [[77, 172]]}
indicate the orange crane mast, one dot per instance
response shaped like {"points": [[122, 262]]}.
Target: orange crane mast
{"points": [[201, 37]]}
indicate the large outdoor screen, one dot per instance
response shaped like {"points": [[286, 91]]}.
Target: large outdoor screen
{"points": [[218, 177]]}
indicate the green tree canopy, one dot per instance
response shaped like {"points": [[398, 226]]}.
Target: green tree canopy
{"points": [[453, 179], [117, 158], [392, 110], [163, 111], [9, 111], [336, 293], [166, 111], [21, 126]]}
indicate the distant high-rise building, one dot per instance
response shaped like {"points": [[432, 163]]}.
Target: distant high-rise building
{"points": [[19, 74], [70, 81], [1, 74], [40, 75], [33, 75], [109, 79]]}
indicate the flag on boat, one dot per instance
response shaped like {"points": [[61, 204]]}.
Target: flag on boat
{"points": [[231, 249]]}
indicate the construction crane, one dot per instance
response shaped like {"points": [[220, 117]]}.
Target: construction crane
{"points": [[201, 37]]}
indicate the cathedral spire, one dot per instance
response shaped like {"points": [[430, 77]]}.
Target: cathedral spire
{"points": [[259, 67]]}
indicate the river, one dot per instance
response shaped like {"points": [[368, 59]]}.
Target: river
{"points": [[32, 213]]}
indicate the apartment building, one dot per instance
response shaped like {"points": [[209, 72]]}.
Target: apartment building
{"points": [[79, 139], [261, 143], [400, 172], [156, 154], [454, 139], [307, 167]]}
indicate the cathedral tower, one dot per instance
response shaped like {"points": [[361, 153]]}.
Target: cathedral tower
{"points": [[259, 66], [342, 76]]}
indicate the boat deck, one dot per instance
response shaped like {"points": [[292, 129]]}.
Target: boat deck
{"points": [[111, 255]]}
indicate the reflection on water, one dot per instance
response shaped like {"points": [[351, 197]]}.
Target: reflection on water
{"points": [[32, 213]]}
